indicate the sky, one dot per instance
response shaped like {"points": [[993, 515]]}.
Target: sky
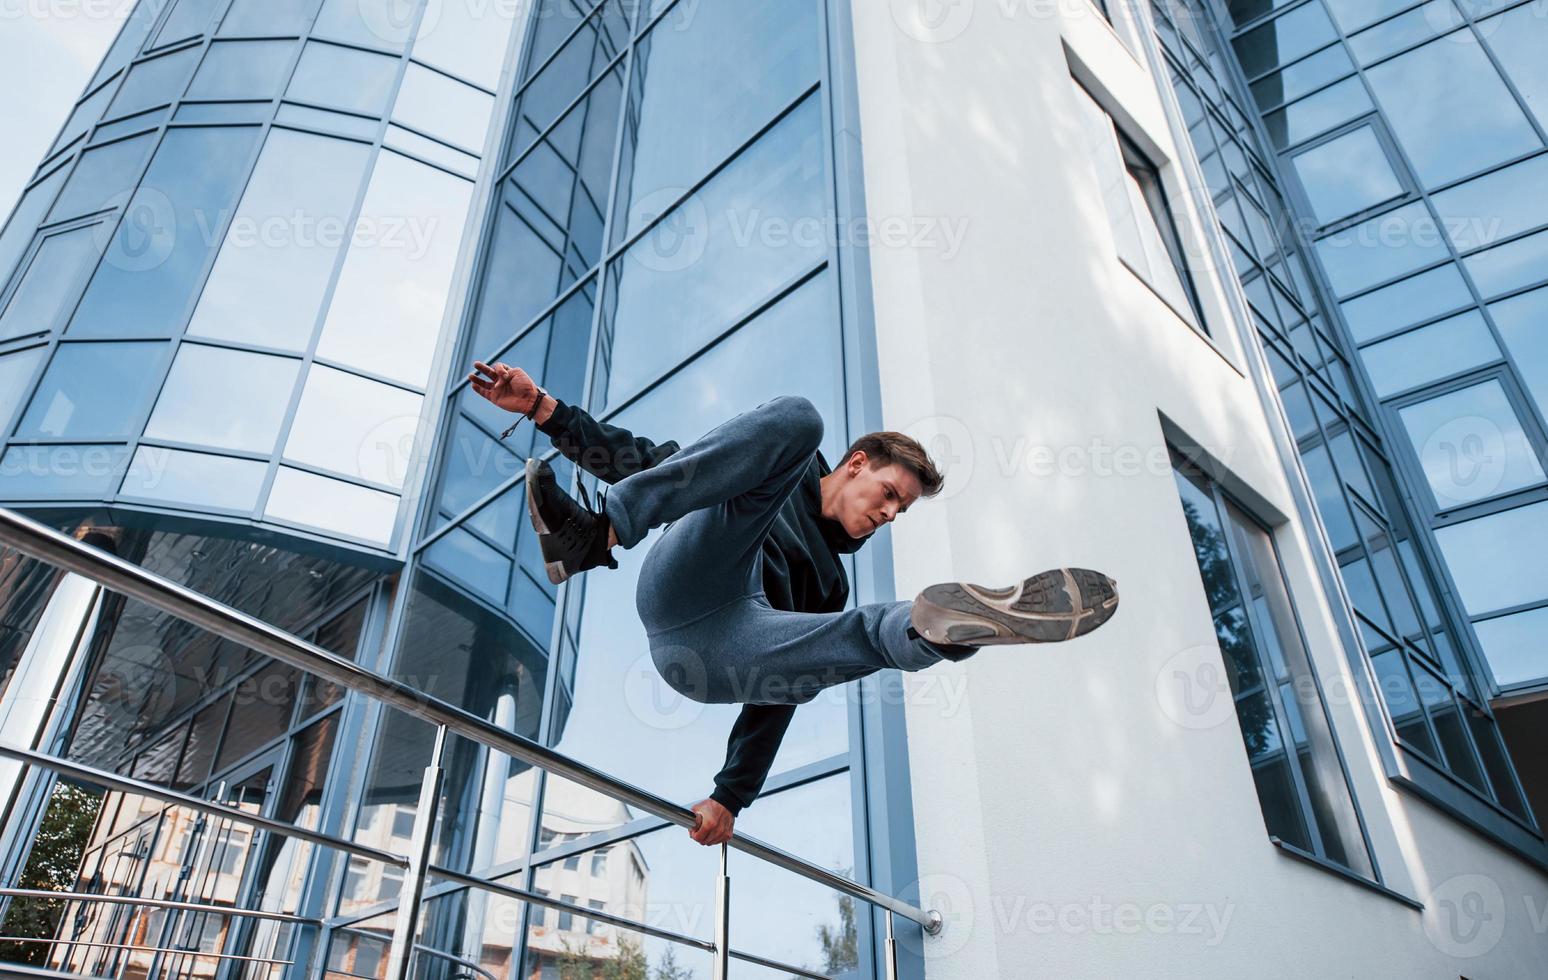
{"points": [[48, 51]]}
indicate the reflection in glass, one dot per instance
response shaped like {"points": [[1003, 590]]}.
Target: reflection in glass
{"points": [[1303, 119], [430, 151], [443, 107], [1514, 646], [1471, 445], [385, 316], [1355, 14], [328, 121], [1382, 248], [1346, 174], [94, 390], [468, 38], [1496, 206], [148, 276], [1510, 266], [288, 229], [581, 59], [344, 78], [1405, 303], [1430, 353], [194, 479], [154, 82], [16, 370], [1518, 39], [354, 426], [1523, 324], [1303, 77], [103, 177], [188, 19], [241, 70], [701, 89], [332, 506], [1499, 561], [1406, 30], [268, 18], [224, 398], [713, 260], [374, 23], [52, 282], [1284, 39]]}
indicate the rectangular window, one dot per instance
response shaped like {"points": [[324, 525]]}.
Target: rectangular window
{"points": [[1138, 211], [1296, 766]]}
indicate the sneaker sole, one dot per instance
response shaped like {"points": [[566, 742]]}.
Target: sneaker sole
{"points": [[1050, 607], [557, 573]]}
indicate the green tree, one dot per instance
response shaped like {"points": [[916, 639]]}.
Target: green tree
{"points": [[841, 944], [670, 969], [53, 865]]}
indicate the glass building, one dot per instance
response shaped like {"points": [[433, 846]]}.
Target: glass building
{"points": [[240, 297]]}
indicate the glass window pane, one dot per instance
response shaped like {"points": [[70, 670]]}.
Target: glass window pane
{"points": [[82, 118], [1501, 560], [1523, 324], [194, 479], [1430, 353], [354, 426], [268, 18], [1303, 77], [188, 19], [344, 78], [154, 82], [332, 506], [1449, 109], [429, 151], [1404, 303], [374, 23], [52, 282], [242, 70], [443, 107], [155, 263], [1388, 245], [15, 372], [1518, 38], [1347, 174], [695, 273], [1354, 14], [288, 229], [468, 38], [1484, 211], [582, 58], [256, 113], [1317, 113], [139, 123], [16, 235], [72, 401], [386, 312], [224, 398], [709, 85], [103, 177], [1406, 30], [1514, 646], [1471, 445], [1284, 39], [1511, 266], [69, 472]]}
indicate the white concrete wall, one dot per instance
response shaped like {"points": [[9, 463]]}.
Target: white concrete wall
{"points": [[1069, 826]]}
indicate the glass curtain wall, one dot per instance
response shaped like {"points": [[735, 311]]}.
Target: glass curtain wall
{"points": [[248, 228], [1421, 657], [659, 250]]}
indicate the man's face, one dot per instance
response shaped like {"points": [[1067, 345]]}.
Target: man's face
{"points": [[873, 496]]}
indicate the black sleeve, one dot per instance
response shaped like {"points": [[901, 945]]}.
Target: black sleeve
{"points": [[750, 753], [606, 451]]}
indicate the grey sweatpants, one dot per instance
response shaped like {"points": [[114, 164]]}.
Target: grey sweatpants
{"points": [[713, 635]]}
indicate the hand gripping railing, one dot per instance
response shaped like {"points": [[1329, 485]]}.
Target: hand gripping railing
{"points": [[61, 551]]}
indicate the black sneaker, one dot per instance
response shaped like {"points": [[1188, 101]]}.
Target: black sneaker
{"points": [[1046, 608], [573, 537]]}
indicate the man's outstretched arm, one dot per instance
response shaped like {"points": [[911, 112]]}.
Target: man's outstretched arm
{"points": [[750, 752], [608, 452]]}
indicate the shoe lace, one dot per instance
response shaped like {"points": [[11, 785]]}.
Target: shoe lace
{"points": [[570, 533]]}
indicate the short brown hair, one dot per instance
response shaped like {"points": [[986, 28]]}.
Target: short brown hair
{"points": [[882, 448]]}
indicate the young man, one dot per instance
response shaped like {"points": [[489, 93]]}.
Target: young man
{"points": [[743, 596]]}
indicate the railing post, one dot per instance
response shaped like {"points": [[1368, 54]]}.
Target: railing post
{"points": [[892, 948], [723, 916], [413, 890]]}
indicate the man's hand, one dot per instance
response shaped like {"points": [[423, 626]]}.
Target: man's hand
{"points": [[511, 388], [715, 825]]}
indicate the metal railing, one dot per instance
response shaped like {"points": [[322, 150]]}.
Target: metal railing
{"points": [[113, 573]]}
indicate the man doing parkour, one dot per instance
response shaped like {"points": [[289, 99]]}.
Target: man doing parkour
{"points": [[743, 596]]}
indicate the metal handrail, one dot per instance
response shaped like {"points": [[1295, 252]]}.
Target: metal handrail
{"points": [[61, 551], [158, 903]]}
